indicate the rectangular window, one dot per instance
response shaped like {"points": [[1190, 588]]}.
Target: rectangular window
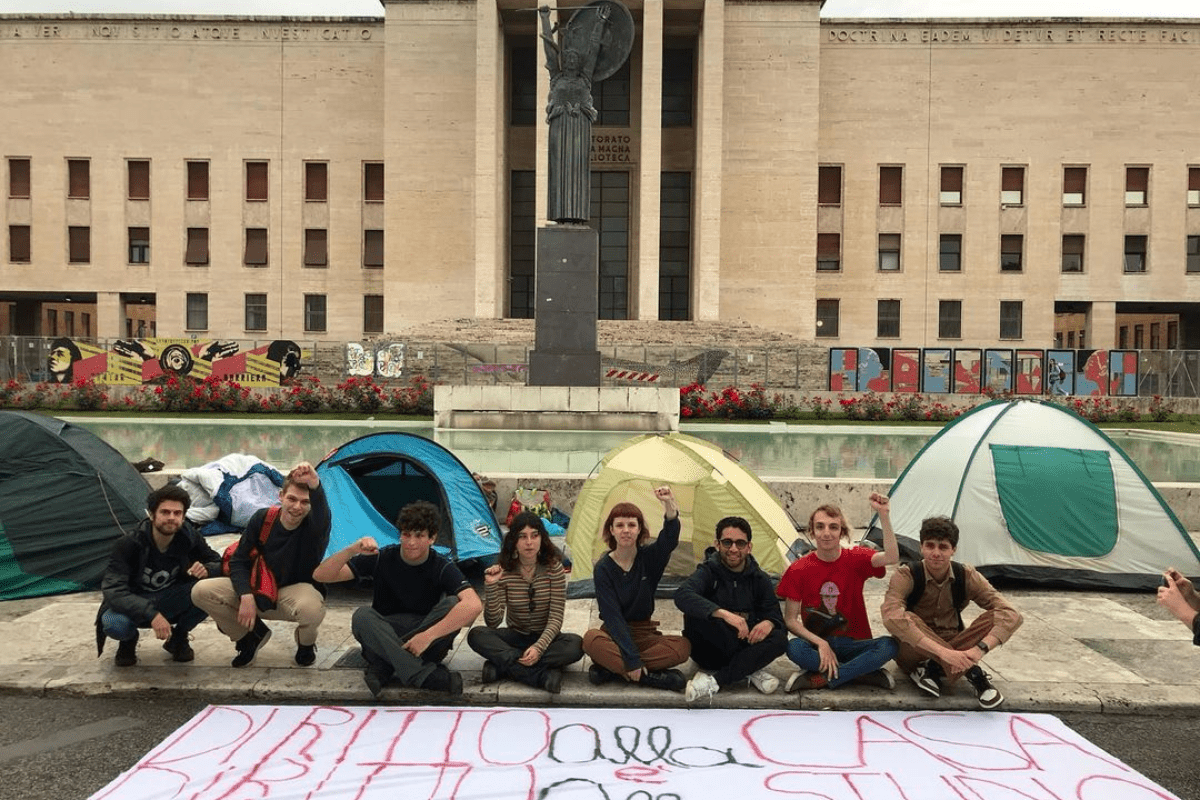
{"points": [[827, 318], [256, 247], [523, 76], [1123, 337], [138, 180], [52, 321], [891, 186], [314, 313], [1193, 254], [1155, 336], [675, 246], [256, 312], [1082, 339], [1012, 186], [256, 181], [950, 319], [316, 181], [197, 246], [69, 323], [1072, 252], [197, 180], [1139, 337], [139, 245], [952, 183], [1071, 339], [18, 244], [86, 323], [1172, 334], [79, 244], [373, 182], [1011, 247], [373, 248], [197, 311], [611, 98], [677, 90], [1193, 192], [316, 247], [1137, 182], [1011, 312], [1135, 253], [1074, 186], [372, 313], [522, 224], [950, 252], [79, 182], [829, 252], [887, 319], [829, 185], [18, 177], [889, 252]]}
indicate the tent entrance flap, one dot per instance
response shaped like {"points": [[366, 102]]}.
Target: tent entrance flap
{"points": [[1057, 500], [391, 483]]}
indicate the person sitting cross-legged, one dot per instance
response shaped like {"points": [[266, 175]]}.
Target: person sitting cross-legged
{"points": [[922, 608], [731, 616]]}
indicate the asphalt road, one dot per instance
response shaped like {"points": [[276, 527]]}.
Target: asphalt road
{"points": [[62, 748]]}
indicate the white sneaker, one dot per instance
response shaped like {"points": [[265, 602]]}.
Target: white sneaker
{"points": [[764, 681], [701, 686]]}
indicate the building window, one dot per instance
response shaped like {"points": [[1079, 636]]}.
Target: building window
{"points": [[256, 248], [69, 323], [316, 247], [1123, 337], [522, 249], [611, 99], [79, 244], [79, 182], [677, 87], [18, 177], [373, 182], [18, 244], [52, 321], [889, 252], [256, 181], [891, 186], [1172, 334], [829, 185], [197, 246], [829, 252], [316, 181], [314, 313], [523, 72], [197, 180], [1074, 186], [1011, 312], [1011, 246], [950, 319], [1012, 186], [950, 252], [1193, 254], [256, 312], [827, 318], [86, 323], [887, 319], [138, 180], [197, 311], [952, 183], [373, 248], [675, 246], [1137, 181], [610, 216], [372, 313], [1155, 336], [1071, 339], [1135, 253], [1072, 252], [139, 245], [1193, 193], [1139, 337]]}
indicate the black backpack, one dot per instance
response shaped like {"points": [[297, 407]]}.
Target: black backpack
{"points": [[958, 589]]}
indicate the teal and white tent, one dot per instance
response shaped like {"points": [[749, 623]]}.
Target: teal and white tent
{"points": [[1041, 495]]}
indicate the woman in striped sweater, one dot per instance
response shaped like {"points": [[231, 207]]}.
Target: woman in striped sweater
{"points": [[528, 586]]}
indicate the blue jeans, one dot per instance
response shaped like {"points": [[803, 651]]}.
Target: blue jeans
{"points": [[173, 602], [855, 656]]}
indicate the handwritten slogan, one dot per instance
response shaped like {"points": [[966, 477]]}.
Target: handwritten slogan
{"points": [[289, 752]]}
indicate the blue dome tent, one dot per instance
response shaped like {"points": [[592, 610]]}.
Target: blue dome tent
{"points": [[369, 479]]}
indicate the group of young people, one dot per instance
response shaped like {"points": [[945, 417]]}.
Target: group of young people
{"points": [[164, 577]]}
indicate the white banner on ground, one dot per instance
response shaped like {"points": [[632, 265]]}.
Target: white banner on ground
{"points": [[397, 753]]}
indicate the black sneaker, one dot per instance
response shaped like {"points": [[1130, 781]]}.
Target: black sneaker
{"points": [[670, 679], [552, 681], [927, 676], [598, 675], [126, 653], [489, 673], [178, 647], [248, 645], [375, 680], [306, 654], [989, 696], [443, 680]]}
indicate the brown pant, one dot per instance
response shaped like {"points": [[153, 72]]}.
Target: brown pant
{"points": [[298, 602], [658, 652], [909, 655]]}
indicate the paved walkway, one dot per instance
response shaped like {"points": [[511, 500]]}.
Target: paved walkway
{"points": [[1095, 652]]}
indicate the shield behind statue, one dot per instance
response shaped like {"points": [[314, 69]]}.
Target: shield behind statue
{"points": [[619, 41]]}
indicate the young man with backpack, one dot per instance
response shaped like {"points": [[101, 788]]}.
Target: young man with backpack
{"points": [[923, 610]]}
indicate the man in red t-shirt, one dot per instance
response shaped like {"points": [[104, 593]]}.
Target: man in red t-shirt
{"points": [[824, 608]]}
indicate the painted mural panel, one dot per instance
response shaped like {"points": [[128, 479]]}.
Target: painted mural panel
{"points": [[389, 360], [874, 370], [358, 363], [998, 370], [935, 373], [1060, 372], [1091, 373], [906, 370], [1123, 373], [843, 369], [132, 362], [967, 364], [1029, 371]]}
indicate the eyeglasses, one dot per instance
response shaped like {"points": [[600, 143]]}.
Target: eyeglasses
{"points": [[740, 544]]}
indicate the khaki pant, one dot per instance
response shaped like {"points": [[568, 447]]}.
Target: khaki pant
{"points": [[657, 651], [909, 656], [299, 602]]}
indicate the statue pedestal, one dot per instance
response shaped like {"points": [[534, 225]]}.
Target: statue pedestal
{"points": [[564, 350]]}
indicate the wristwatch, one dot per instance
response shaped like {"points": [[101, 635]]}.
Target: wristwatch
{"points": [[982, 645]]}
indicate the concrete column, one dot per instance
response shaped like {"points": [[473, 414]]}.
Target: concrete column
{"points": [[1102, 326], [710, 120], [110, 315], [489, 182], [650, 161]]}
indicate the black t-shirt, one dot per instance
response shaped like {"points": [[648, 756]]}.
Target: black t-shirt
{"points": [[402, 588], [161, 571]]}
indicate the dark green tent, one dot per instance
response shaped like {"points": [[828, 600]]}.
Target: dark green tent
{"points": [[65, 495]]}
